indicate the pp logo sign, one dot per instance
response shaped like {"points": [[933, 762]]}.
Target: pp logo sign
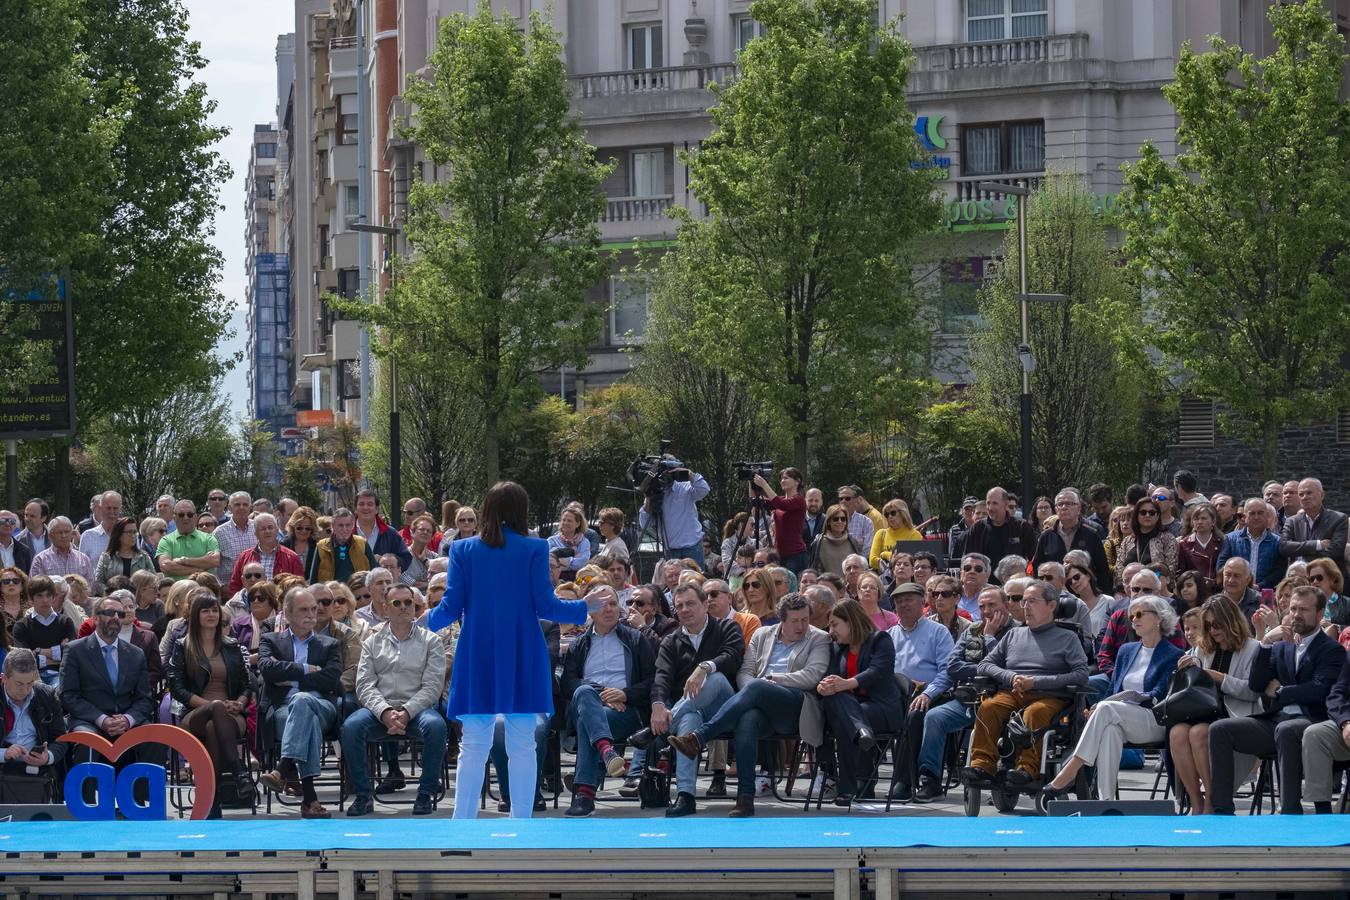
{"points": [[120, 785]]}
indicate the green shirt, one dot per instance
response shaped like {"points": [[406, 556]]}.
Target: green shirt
{"points": [[177, 545]]}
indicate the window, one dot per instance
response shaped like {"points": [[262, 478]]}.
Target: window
{"points": [[995, 20], [647, 177], [1343, 426], [266, 189], [266, 313], [349, 283], [1003, 147], [745, 29], [351, 204], [645, 49], [346, 119], [628, 312], [267, 151]]}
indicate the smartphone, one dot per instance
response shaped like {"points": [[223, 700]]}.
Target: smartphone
{"points": [[1268, 596]]}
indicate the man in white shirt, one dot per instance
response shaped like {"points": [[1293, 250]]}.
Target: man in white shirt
{"points": [[94, 542]]}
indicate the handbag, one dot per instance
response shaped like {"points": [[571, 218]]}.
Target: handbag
{"points": [[1192, 696]]}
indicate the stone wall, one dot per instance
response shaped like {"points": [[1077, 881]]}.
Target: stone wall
{"points": [[1233, 466]]}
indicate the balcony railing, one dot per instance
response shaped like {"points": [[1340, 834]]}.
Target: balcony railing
{"points": [[636, 209], [967, 186], [1008, 52], [647, 81]]}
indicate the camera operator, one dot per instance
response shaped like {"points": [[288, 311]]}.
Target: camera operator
{"points": [[789, 516], [681, 530]]}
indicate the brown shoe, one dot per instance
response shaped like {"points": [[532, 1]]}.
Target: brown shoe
{"points": [[314, 810], [688, 744], [745, 807], [279, 784]]}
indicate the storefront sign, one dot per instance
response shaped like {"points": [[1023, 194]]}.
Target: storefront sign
{"points": [[927, 128], [999, 212]]}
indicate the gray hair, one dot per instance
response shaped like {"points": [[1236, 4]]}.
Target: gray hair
{"points": [[1009, 567], [243, 494], [375, 573], [1241, 561], [61, 520], [818, 593], [168, 497], [20, 661], [852, 557], [1014, 585], [260, 516], [438, 576], [1078, 558], [288, 602], [1072, 494], [979, 558], [1052, 567], [1151, 576], [122, 597], [1167, 616]]}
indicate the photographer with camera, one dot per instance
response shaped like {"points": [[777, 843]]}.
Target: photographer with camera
{"points": [[789, 515], [671, 492]]}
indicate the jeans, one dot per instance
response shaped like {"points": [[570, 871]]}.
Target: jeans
{"points": [[941, 721], [357, 731], [797, 561], [688, 715], [1101, 684], [695, 553], [500, 755], [474, 746], [301, 725], [761, 709], [1259, 737], [594, 721]]}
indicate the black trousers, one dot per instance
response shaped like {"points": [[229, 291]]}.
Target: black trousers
{"points": [[1258, 737], [845, 714]]}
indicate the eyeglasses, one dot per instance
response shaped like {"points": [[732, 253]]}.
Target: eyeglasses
{"points": [[1139, 614], [892, 513], [1138, 588], [838, 518], [976, 569], [1075, 578], [943, 594], [10, 581], [250, 576], [1014, 598], [7, 520], [714, 593], [220, 497], [1315, 579], [1146, 512], [183, 515], [399, 604], [108, 613], [1161, 498], [326, 601]]}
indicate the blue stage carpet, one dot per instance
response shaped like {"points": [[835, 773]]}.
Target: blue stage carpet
{"points": [[557, 834]]}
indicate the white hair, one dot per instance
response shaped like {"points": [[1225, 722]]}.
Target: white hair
{"points": [[375, 573], [1167, 616], [260, 516], [60, 520], [243, 494], [1151, 576], [855, 557]]}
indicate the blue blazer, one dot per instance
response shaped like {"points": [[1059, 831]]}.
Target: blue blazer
{"points": [[1269, 566], [1158, 673], [501, 662], [1308, 684]]}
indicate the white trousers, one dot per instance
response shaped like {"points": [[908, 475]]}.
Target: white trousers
{"points": [[474, 745], [1112, 725]]}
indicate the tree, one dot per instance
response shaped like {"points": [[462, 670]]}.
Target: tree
{"points": [[300, 480], [812, 202], [337, 455], [1091, 369], [253, 458], [505, 248], [1242, 240]]}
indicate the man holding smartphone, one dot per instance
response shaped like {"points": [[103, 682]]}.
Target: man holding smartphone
{"points": [[32, 723]]}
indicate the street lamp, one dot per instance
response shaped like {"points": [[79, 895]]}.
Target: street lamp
{"points": [[1026, 361], [395, 439]]}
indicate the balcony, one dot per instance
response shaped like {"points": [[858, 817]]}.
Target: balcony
{"points": [[676, 90], [1003, 66], [967, 186], [629, 217]]}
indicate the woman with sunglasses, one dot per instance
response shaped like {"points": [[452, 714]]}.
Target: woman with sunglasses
{"points": [[1148, 543], [1080, 582], [899, 527], [1199, 550], [123, 555], [208, 679], [1323, 573], [262, 610], [943, 594], [1226, 651], [834, 544], [761, 595], [301, 538], [1143, 670], [14, 600]]}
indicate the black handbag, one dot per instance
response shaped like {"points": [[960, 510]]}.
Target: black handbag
{"points": [[1192, 697]]}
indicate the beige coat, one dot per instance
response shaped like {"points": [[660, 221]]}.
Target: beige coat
{"points": [[408, 673], [806, 666]]}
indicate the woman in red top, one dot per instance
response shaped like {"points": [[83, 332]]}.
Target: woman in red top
{"points": [[789, 517], [1199, 550]]}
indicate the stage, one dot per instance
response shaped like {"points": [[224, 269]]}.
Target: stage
{"points": [[823, 855]]}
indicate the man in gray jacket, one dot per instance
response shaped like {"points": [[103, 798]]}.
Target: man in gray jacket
{"points": [[1027, 663], [777, 681], [398, 681]]}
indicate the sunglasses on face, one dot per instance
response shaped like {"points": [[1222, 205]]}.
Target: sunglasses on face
{"points": [[1315, 579], [1138, 614], [252, 576], [326, 601], [221, 499], [8, 521], [1138, 588], [109, 613], [399, 604], [838, 518], [10, 581], [893, 513], [1147, 512], [942, 594], [976, 569], [183, 515], [1015, 598], [1075, 578], [714, 593]]}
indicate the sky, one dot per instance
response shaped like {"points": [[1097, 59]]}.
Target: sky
{"points": [[238, 40]]}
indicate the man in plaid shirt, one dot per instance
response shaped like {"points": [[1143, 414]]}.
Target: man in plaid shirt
{"points": [[234, 535], [61, 558]]}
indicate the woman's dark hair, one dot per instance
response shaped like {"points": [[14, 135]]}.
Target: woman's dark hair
{"points": [[207, 580], [659, 595], [1086, 572], [115, 536], [860, 624], [506, 505], [192, 644], [796, 475], [734, 524], [1201, 586], [265, 591], [1032, 511], [1134, 517], [448, 510]]}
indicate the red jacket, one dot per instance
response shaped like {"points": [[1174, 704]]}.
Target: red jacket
{"points": [[287, 561], [434, 546]]}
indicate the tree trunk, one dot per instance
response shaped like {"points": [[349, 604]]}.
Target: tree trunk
{"points": [[61, 504], [491, 449], [1270, 444], [801, 447]]}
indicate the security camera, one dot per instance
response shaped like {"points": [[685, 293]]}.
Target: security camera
{"points": [[1024, 357]]}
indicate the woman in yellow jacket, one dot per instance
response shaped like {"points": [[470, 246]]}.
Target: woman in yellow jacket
{"points": [[899, 527]]}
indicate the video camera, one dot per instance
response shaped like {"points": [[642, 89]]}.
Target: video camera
{"points": [[746, 471], [653, 473]]}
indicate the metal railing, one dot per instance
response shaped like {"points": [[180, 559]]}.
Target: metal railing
{"points": [[646, 81]]}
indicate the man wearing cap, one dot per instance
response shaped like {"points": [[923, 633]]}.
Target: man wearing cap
{"points": [[922, 646], [956, 537]]}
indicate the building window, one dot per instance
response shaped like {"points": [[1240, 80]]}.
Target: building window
{"points": [[995, 20], [647, 173], [351, 205], [1196, 423], [645, 46], [1343, 426], [346, 119], [266, 189], [1003, 147], [348, 283], [266, 151], [746, 29], [627, 312]]}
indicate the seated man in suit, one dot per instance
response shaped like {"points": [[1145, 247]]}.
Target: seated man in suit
{"points": [[301, 672], [1294, 677], [105, 681], [607, 681], [777, 695], [31, 725], [693, 670]]}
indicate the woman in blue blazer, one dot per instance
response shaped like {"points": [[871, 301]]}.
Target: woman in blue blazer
{"points": [[1143, 670], [498, 582]]}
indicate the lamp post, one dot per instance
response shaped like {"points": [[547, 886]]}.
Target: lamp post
{"points": [[395, 439], [1026, 361]]}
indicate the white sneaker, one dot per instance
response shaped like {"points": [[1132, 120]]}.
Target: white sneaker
{"points": [[823, 788], [763, 785]]}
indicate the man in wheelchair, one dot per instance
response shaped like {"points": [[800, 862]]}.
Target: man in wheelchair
{"points": [[1035, 669]]}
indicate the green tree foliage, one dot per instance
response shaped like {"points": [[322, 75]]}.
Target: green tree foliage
{"points": [[812, 204], [505, 248], [336, 453], [300, 481], [253, 459], [1242, 240], [1092, 375]]}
